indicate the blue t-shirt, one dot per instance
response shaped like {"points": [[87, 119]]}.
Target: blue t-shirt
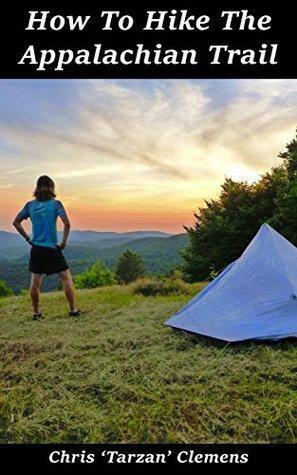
{"points": [[43, 215]]}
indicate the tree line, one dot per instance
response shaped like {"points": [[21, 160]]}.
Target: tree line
{"points": [[224, 226]]}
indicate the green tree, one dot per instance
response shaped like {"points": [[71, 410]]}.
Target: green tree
{"points": [[285, 217], [290, 158], [129, 267], [224, 227], [5, 291], [95, 276]]}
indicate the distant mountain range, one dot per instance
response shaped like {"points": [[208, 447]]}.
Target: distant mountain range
{"points": [[160, 252], [12, 245], [8, 239], [95, 236]]}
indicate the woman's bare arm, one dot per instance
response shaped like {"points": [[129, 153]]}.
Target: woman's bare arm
{"points": [[17, 223], [66, 231]]}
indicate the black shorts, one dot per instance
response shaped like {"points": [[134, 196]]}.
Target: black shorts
{"points": [[47, 260]]}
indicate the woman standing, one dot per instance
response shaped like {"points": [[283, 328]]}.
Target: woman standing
{"points": [[46, 254]]}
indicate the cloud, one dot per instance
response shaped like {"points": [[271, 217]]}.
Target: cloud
{"points": [[253, 127], [147, 143], [113, 122]]}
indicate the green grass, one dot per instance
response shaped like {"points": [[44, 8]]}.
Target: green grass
{"points": [[119, 375]]}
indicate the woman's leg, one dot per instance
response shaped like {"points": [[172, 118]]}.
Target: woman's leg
{"points": [[36, 280], [67, 281]]}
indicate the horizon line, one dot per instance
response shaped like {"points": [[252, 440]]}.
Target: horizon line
{"points": [[108, 231]]}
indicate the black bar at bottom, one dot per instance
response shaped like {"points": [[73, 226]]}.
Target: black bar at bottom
{"points": [[202, 458]]}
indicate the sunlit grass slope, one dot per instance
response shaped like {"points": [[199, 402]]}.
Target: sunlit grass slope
{"points": [[119, 375]]}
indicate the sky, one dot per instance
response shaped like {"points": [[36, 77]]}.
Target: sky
{"points": [[138, 154]]}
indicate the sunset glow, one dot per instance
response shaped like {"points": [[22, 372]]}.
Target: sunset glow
{"points": [[130, 155]]}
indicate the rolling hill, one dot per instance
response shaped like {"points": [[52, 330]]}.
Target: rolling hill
{"points": [[160, 253], [10, 240], [13, 246], [14, 240], [95, 236]]}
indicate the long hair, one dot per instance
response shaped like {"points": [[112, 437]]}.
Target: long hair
{"points": [[45, 189]]}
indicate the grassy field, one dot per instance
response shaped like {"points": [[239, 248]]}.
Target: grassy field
{"points": [[119, 375]]}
